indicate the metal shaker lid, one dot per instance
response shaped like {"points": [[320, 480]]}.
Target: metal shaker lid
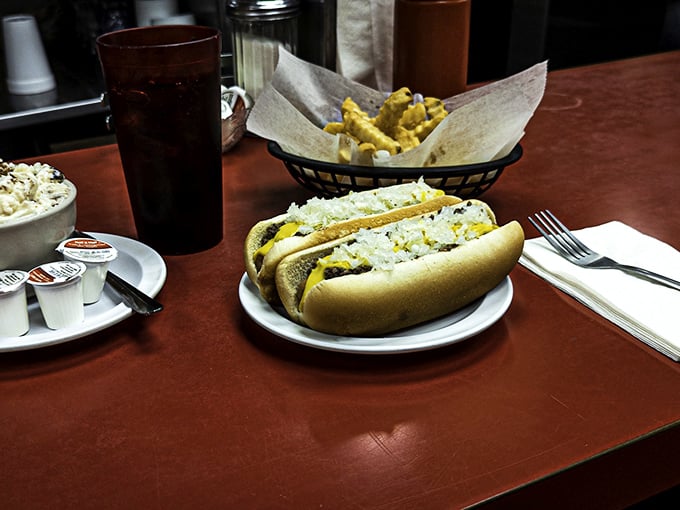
{"points": [[262, 9]]}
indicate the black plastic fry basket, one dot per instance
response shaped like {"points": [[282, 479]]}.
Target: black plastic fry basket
{"points": [[334, 179]]}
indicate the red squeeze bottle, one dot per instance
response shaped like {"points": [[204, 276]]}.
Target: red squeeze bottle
{"points": [[431, 39]]}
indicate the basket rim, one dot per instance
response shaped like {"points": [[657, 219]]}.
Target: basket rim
{"points": [[369, 171]]}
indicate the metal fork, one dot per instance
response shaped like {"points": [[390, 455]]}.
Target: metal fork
{"points": [[567, 245]]}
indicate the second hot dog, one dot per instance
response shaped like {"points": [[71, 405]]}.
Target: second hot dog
{"points": [[384, 279]]}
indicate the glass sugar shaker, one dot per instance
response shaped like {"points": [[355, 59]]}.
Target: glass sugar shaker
{"points": [[258, 27]]}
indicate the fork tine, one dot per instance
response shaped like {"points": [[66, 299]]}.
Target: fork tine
{"points": [[538, 227], [572, 237], [559, 235], [548, 232]]}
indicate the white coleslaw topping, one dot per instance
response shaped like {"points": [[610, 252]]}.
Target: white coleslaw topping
{"points": [[382, 248], [318, 213]]}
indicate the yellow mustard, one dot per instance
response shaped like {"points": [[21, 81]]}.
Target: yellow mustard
{"points": [[317, 275], [287, 230], [482, 228]]}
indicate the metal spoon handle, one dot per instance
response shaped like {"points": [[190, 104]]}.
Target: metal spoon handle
{"points": [[131, 295]]}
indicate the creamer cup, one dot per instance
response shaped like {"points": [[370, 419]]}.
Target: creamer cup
{"points": [[13, 305], [96, 255], [59, 289]]}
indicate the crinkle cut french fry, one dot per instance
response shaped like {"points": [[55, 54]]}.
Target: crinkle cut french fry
{"points": [[349, 106], [407, 138], [366, 151], [436, 113], [392, 110], [365, 131], [334, 127], [435, 107], [367, 148], [414, 115], [399, 126], [344, 148]]}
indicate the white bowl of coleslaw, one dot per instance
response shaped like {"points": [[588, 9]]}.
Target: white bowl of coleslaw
{"points": [[37, 212]]}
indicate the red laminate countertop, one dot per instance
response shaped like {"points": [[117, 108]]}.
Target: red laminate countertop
{"points": [[199, 407]]}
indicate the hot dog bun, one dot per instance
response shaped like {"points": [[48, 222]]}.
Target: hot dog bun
{"points": [[349, 214], [385, 300]]}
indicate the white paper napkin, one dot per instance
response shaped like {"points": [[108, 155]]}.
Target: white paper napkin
{"points": [[648, 311], [364, 41]]}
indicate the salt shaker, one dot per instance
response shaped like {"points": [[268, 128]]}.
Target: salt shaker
{"points": [[258, 27], [431, 40]]}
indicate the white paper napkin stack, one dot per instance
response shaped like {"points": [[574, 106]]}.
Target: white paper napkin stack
{"points": [[648, 311]]}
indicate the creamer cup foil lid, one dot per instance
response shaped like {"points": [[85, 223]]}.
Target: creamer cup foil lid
{"points": [[11, 280], [56, 273], [87, 250]]}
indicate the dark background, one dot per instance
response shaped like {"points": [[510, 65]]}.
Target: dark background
{"points": [[506, 36]]}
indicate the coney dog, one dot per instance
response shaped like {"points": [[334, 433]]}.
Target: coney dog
{"points": [[320, 220], [384, 279]]}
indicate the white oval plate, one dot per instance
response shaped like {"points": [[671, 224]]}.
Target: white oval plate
{"points": [[137, 263], [460, 325]]}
